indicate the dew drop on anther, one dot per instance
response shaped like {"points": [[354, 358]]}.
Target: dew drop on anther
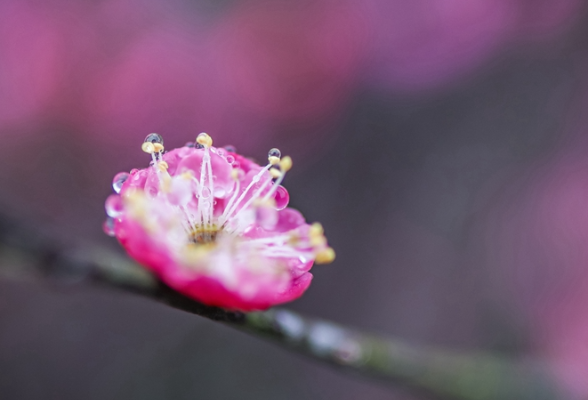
{"points": [[119, 180], [282, 198], [114, 206], [108, 226], [153, 138], [274, 153]]}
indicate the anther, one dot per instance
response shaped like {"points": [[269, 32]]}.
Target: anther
{"points": [[163, 166], [204, 139], [316, 229], [325, 256], [275, 173], [318, 241], [148, 147], [286, 164]]}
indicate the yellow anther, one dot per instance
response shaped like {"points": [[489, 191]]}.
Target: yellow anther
{"points": [[275, 173], [235, 174], [325, 256], [204, 139], [157, 147], [316, 229], [273, 160], [318, 241], [148, 147], [187, 175], [286, 163], [163, 166]]}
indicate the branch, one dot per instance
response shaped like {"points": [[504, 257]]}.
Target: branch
{"points": [[439, 373]]}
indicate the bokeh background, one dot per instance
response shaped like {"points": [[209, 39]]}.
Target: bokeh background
{"points": [[442, 144]]}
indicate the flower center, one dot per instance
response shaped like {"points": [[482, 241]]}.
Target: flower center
{"points": [[202, 234]]}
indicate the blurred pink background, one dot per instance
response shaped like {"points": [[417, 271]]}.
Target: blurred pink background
{"points": [[442, 143]]}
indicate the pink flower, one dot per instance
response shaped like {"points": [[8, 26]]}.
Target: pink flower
{"points": [[214, 225]]}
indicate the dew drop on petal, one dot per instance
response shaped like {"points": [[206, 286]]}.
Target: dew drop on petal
{"points": [[230, 149], [119, 180], [220, 192], [153, 138], [152, 185], [134, 171], [220, 152], [274, 153], [282, 198], [114, 206], [108, 226], [230, 159]]}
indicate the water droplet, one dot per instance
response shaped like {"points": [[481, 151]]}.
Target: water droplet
{"points": [[199, 146], [119, 180], [189, 144], [230, 149], [291, 324], [282, 197], [134, 171], [108, 226], [220, 192], [114, 206], [274, 153], [324, 337], [205, 205], [230, 159], [220, 152], [153, 138], [152, 185], [205, 192]]}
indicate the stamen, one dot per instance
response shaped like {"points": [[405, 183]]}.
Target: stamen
{"points": [[285, 165], [251, 200], [228, 211]]}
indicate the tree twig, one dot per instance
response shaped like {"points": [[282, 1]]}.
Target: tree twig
{"points": [[440, 373]]}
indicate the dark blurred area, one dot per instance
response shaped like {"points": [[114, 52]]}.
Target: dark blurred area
{"points": [[441, 144]]}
